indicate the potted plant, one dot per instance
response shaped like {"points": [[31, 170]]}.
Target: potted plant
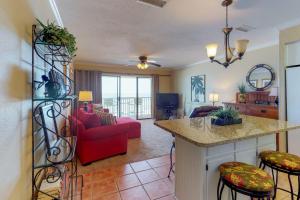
{"points": [[242, 94], [56, 35], [225, 117]]}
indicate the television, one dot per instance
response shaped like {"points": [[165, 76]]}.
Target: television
{"points": [[167, 101]]}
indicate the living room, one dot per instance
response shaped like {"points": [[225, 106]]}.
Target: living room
{"points": [[126, 99]]}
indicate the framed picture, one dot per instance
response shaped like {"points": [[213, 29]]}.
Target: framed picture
{"points": [[198, 88]]}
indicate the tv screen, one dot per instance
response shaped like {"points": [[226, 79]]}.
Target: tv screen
{"points": [[167, 100]]}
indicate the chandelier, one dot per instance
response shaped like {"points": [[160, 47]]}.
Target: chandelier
{"points": [[240, 45]]}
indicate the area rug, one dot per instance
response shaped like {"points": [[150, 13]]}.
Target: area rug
{"points": [[154, 142]]}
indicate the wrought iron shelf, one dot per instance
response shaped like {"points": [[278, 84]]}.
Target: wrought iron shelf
{"points": [[71, 97], [66, 155]]}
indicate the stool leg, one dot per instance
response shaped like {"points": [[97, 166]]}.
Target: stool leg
{"points": [[218, 189], [291, 186], [298, 195], [275, 182], [221, 192], [171, 160]]}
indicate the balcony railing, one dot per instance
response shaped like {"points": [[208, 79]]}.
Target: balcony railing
{"points": [[128, 106]]}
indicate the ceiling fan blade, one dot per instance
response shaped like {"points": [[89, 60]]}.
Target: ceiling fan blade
{"points": [[154, 64]]}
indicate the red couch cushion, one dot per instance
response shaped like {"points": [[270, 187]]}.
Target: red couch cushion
{"points": [[90, 120], [134, 130]]}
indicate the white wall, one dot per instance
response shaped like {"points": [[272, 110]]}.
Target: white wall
{"points": [[16, 18], [221, 80]]}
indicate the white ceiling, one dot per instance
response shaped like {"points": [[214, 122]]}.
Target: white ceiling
{"points": [[116, 31]]}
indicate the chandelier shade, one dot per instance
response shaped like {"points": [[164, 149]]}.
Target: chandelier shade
{"points": [[240, 45]]}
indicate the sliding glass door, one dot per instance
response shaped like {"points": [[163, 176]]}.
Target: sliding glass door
{"points": [[144, 95], [127, 96], [111, 94]]}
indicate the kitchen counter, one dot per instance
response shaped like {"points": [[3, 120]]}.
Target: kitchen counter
{"points": [[200, 131]]}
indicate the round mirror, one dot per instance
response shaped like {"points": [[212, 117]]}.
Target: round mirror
{"points": [[260, 77]]}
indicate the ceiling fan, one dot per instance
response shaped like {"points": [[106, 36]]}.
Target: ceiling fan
{"points": [[144, 63]]}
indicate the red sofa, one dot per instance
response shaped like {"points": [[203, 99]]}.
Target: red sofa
{"points": [[95, 142]]}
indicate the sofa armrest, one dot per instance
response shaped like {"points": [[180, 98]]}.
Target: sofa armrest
{"points": [[102, 132]]}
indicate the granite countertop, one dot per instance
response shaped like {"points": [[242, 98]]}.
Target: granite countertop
{"points": [[200, 131]]}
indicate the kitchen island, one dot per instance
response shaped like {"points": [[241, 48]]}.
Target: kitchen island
{"points": [[202, 147]]}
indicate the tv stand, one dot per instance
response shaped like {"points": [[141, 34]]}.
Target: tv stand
{"points": [[168, 113]]}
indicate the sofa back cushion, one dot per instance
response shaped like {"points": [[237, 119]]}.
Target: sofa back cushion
{"points": [[90, 120], [73, 123]]}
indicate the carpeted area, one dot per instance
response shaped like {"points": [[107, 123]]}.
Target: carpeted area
{"points": [[153, 143]]}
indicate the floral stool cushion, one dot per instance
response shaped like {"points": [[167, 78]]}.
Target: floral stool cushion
{"points": [[282, 160], [246, 177]]}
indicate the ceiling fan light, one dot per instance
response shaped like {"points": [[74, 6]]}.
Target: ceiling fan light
{"points": [[211, 50], [241, 46], [142, 66]]}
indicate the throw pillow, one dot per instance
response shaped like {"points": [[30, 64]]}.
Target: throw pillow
{"points": [[107, 118], [90, 120], [97, 107]]}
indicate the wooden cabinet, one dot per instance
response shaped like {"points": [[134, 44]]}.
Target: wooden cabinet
{"points": [[266, 111]]}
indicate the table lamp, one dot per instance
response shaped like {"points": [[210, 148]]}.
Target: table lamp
{"points": [[213, 97], [274, 93], [85, 97]]}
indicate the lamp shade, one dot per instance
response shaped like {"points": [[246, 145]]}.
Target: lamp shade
{"points": [[211, 50], [274, 92], [85, 96], [241, 46], [213, 97]]}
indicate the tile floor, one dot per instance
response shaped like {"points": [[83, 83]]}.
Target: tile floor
{"points": [[144, 180]]}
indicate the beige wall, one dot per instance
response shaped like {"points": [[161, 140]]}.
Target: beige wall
{"points": [[16, 18], [286, 36], [165, 79], [221, 80]]}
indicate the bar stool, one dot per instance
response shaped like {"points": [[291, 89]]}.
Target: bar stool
{"points": [[245, 179], [285, 163], [171, 158]]}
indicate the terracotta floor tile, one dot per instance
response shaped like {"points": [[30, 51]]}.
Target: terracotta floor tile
{"points": [[103, 174], [140, 166], [163, 171], [158, 189], [169, 197], [157, 162], [147, 176], [123, 170], [113, 196], [103, 187], [136, 193], [128, 181]]}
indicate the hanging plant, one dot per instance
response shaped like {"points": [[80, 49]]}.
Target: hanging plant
{"points": [[56, 35]]}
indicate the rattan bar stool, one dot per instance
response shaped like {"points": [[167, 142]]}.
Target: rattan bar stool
{"points": [[245, 179], [285, 163]]}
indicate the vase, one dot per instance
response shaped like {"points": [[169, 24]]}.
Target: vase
{"points": [[225, 122], [242, 98]]}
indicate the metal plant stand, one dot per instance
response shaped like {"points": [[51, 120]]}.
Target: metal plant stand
{"points": [[54, 162]]}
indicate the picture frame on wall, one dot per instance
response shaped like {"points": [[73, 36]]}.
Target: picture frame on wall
{"points": [[198, 88]]}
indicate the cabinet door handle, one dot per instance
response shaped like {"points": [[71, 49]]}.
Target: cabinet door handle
{"points": [[263, 111]]}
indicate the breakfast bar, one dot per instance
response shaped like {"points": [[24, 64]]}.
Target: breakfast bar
{"points": [[201, 147]]}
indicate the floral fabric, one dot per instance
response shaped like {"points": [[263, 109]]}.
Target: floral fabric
{"points": [[246, 177], [282, 160]]}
